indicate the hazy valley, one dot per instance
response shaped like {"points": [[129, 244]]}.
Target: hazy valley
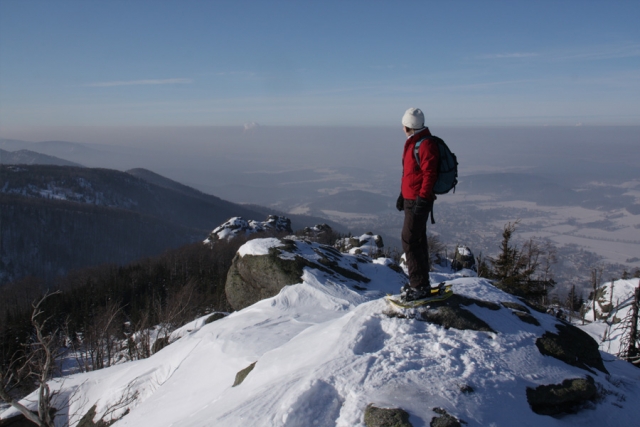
{"points": [[576, 186]]}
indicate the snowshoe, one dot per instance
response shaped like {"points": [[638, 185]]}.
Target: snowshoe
{"points": [[406, 300]]}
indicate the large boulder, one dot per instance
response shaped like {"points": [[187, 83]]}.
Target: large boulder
{"points": [[566, 397], [262, 267], [386, 417], [573, 346]]}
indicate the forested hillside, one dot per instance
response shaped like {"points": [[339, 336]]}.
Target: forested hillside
{"points": [[54, 219]]}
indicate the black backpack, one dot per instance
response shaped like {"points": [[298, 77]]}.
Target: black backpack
{"points": [[447, 166]]}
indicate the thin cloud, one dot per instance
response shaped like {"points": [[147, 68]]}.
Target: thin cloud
{"points": [[590, 53], [516, 55], [604, 52], [141, 82]]}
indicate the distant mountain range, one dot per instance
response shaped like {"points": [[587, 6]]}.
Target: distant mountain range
{"points": [[28, 157], [52, 148], [58, 218]]}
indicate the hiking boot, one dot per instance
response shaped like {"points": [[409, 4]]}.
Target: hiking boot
{"points": [[404, 290], [407, 288], [412, 294]]}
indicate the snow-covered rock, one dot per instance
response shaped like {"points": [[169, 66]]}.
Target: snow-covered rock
{"points": [[237, 226], [368, 244], [319, 233], [328, 347], [262, 267], [463, 258]]}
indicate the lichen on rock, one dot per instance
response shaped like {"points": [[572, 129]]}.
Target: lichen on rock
{"points": [[444, 420], [386, 417], [241, 375], [451, 314], [567, 397], [573, 346]]}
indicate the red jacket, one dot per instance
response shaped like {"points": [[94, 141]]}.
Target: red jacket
{"points": [[419, 180]]}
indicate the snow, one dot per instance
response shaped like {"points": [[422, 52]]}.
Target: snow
{"points": [[259, 246], [464, 251], [607, 329], [325, 350]]}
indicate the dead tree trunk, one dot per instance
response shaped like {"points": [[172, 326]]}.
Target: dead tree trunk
{"points": [[39, 364], [594, 282], [632, 352]]}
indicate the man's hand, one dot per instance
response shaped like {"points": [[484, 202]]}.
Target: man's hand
{"points": [[400, 203], [421, 208]]}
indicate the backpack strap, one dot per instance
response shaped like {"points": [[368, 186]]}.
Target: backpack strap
{"points": [[416, 149]]}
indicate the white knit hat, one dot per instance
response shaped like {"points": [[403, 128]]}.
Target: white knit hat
{"points": [[413, 118]]}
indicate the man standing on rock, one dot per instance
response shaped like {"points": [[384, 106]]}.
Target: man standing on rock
{"points": [[419, 174]]}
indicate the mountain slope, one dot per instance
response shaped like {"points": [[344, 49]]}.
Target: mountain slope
{"points": [[326, 348], [55, 218]]}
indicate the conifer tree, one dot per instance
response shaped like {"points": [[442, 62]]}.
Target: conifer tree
{"points": [[515, 269]]}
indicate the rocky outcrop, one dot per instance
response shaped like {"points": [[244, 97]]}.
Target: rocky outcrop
{"points": [[386, 417], [570, 344], [321, 233], [444, 420], [369, 244], [463, 258], [573, 346], [241, 375], [451, 313], [213, 318], [254, 277], [237, 226], [567, 397]]}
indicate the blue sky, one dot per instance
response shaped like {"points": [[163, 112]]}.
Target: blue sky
{"points": [[152, 63]]}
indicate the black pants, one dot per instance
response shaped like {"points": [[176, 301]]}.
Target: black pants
{"points": [[414, 244]]}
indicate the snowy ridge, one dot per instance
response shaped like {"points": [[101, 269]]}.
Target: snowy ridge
{"points": [[324, 350]]}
